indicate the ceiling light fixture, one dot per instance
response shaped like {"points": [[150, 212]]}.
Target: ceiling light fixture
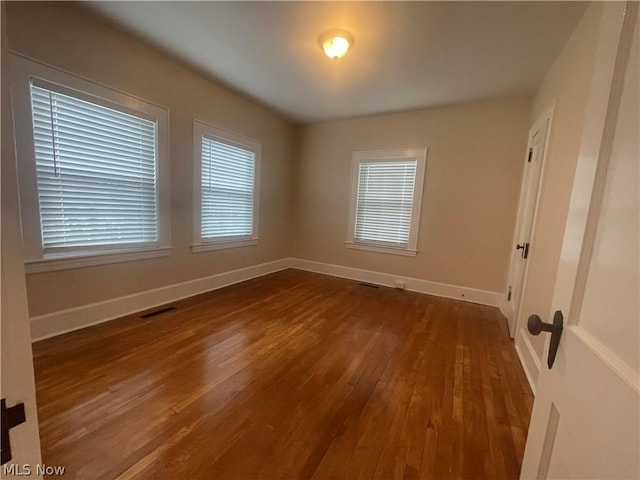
{"points": [[336, 43]]}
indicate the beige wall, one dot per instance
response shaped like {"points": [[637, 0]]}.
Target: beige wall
{"points": [[566, 84], [474, 165], [61, 35]]}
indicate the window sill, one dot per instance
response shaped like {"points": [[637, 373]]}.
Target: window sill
{"points": [[93, 259], [379, 249], [206, 247]]}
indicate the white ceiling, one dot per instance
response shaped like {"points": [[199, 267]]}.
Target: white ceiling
{"points": [[406, 54]]}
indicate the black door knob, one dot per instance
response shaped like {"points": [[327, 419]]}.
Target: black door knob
{"points": [[535, 325], [525, 249]]}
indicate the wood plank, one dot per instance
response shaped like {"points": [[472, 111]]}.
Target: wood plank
{"points": [[292, 375]]}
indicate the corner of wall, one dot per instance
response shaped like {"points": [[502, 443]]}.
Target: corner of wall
{"points": [[294, 187]]}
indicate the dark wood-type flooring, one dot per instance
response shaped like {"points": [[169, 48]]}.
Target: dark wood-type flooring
{"points": [[292, 375]]}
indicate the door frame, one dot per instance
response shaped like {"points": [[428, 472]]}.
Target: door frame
{"points": [[17, 384], [510, 311]]}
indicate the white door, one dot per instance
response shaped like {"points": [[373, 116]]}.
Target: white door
{"points": [[17, 385], [536, 152], [586, 421]]}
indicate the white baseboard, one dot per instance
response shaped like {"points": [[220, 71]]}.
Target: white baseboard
{"points": [[473, 295], [63, 321], [507, 312], [528, 358]]}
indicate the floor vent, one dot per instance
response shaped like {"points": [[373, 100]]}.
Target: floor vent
{"points": [[370, 285], [157, 312]]}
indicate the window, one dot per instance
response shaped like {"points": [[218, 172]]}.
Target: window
{"points": [[92, 192], [386, 196], [96, 172], [225, 193]]}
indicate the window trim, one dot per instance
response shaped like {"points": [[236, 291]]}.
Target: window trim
{"points": [[370, 156], [23, 71], [93, 259], [200, 244]]}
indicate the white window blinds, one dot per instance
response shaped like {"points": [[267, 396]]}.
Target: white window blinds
{"points": [[227, 190], [384, 202], [96, 174]]}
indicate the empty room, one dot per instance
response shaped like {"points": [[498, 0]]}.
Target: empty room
{"points": [[328, 240]]}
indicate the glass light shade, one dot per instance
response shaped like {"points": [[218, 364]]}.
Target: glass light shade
{"points": [[336, 43], [335, 47]]}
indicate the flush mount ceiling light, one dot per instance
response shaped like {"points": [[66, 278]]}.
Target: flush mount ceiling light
{"points": [[336, 43]]}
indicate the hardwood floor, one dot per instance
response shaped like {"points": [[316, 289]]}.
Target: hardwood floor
{"points": [[292, 375]]}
